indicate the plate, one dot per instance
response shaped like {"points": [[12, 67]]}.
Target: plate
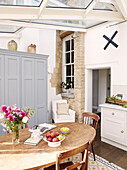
{"points": [[53, 144]]}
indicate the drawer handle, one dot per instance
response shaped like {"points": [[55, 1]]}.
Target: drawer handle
{"points": [[122, 131], [113, 113]]}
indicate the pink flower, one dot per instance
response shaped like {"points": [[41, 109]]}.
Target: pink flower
{"points": [[3, 108], [6, 115], [17, 110], [23, 114], [11, 118], [10, 108], [29, 116]]}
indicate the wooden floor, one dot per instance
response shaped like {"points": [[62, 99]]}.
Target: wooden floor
{"points": [[109, 152]]}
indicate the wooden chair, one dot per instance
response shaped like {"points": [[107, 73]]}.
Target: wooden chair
{"points": [[69, 165], [91, 119]]}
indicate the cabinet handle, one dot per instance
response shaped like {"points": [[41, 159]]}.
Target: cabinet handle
{"points": [[122, 131], [113, 113]]}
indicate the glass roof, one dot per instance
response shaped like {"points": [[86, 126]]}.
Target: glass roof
{"points": [[69, 3], [101, 6], [33, 3], [8, 29], [73, 24]]}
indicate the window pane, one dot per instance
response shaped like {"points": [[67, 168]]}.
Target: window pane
{"points": [[68, 70], [72, 57], [72, 44], [67, 57], [67, 44], [68, 78], [72, 82], [73, 70]]}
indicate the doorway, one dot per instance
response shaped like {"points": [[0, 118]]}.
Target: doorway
{"points": [[101, 85]]}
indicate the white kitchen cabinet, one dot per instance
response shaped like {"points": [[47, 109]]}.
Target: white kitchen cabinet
{"points": [[114, 125], [23, 81]]}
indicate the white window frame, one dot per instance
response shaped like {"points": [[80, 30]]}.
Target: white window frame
{"points": [[70, 37]]}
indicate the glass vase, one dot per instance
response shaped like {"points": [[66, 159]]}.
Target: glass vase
{"points": [[15, 135]]}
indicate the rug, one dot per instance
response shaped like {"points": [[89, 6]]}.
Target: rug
{"points": [[99, 164]]}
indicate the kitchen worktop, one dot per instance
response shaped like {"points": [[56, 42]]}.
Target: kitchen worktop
{"points": [[113, 106]]}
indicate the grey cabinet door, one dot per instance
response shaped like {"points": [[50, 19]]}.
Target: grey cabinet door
{"points": [[1, 88], [12, 78], [1, 80], [28, 96], [41, 90]]}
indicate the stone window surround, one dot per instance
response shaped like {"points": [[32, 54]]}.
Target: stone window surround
{"points": [[76, 103]]}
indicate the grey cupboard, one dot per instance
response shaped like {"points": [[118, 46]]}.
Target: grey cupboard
{"points": [[23, 81]]}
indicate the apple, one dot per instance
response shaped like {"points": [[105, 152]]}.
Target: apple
{"points": [[51, 132], [60, 137], [55, 139], [49, 139], [53, 135], [57, 133], [48, 135]]}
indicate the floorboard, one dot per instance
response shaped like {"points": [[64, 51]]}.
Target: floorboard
{"points": [[109, 152]]}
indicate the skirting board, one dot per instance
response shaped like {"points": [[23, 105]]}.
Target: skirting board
{"points": [[114, 143]]}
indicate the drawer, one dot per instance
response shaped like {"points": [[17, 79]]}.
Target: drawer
{"points": [[114, 113]]}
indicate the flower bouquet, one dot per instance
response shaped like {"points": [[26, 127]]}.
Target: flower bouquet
{"points": [[13, 118]]}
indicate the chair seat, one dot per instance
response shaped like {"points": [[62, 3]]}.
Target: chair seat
{"points": [[62, 166]]}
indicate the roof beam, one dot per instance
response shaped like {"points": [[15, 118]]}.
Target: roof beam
{"points": [[40, 26], [42, 7], [57, 14], [91, 6], [122, 5]]}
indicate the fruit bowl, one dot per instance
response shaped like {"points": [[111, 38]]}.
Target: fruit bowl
{"points": [[64, 130], [53, 144]]}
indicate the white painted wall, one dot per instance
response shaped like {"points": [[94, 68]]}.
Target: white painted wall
{"points": [[4, 42], [45, 41], [115, 58]]}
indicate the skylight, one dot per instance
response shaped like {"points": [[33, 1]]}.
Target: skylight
{"points": [[69, 3], [8, 29], [59, 14], [73, 24], [31, 3]]}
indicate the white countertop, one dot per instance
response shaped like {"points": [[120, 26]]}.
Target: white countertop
{"points": [[113, 106]]}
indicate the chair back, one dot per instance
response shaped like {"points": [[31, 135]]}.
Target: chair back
{"points": [[90, 119], [65, 155]]}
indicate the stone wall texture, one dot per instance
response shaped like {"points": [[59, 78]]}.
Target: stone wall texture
{"points": [[78, 102], [56, 77]]}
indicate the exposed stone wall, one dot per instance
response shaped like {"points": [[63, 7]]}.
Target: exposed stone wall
{"points": [[78, 103], [56, 77]]}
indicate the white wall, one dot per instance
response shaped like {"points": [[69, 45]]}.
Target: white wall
{"points": [[4, 42], [115, 58], [45, 41]]}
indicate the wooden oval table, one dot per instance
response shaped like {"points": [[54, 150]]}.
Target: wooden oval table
{"points": [[20, 156]]}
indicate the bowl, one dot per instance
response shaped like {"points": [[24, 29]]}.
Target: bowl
{"points": [[64, 130], [53, 144]]}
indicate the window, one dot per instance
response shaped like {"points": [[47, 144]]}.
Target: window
{"points": [[68, 60]]}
